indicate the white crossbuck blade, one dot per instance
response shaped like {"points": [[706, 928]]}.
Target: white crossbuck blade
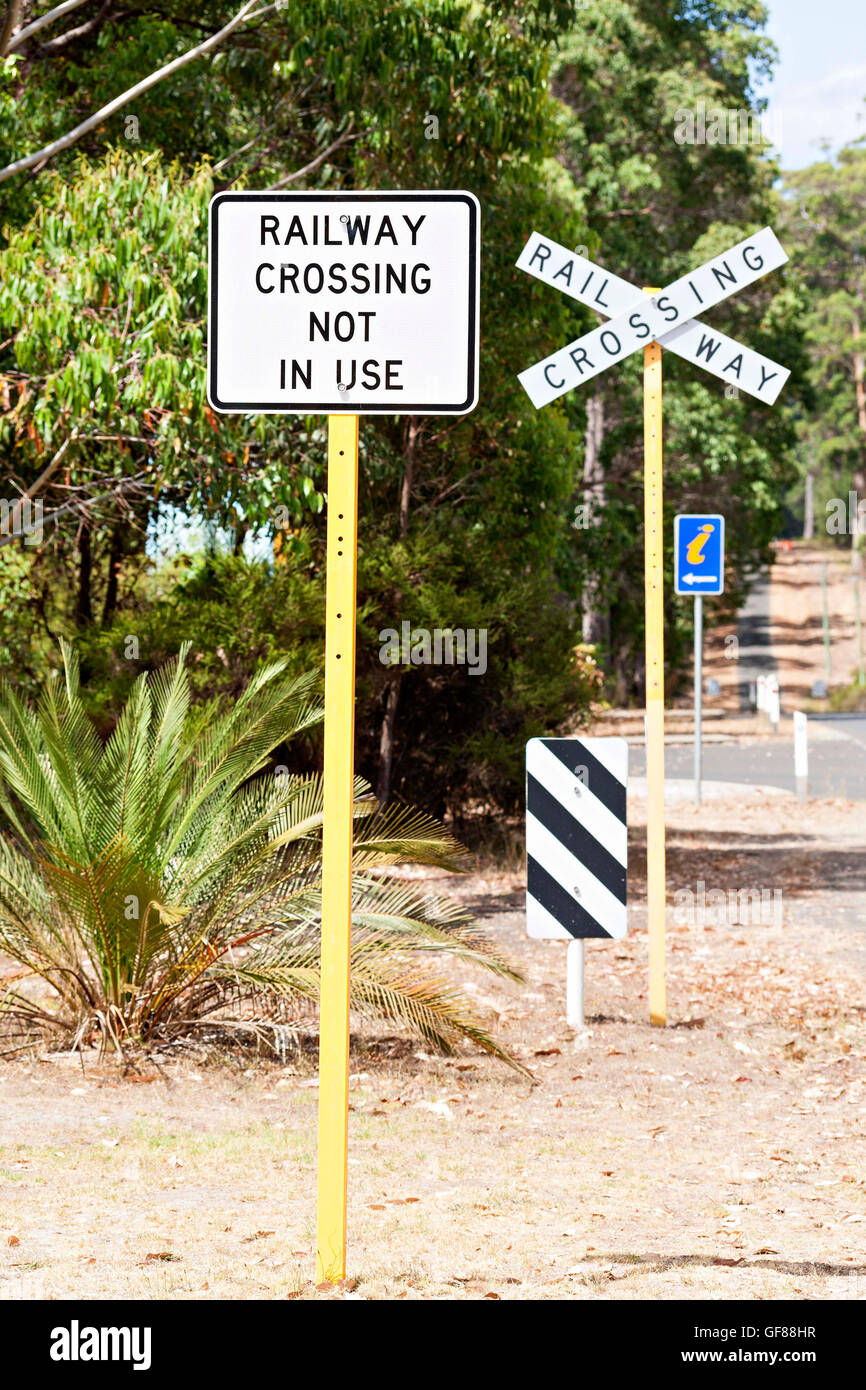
{"points": [[637, 319]]}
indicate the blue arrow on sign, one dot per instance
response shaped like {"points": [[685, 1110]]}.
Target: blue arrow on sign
{"points": [[699, 554]]}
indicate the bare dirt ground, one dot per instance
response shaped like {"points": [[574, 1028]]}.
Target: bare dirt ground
{"points": [[796, 617], [796, 626], [719, 1157]]}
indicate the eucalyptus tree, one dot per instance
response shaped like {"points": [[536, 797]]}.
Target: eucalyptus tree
{"points": [[825, 220]]}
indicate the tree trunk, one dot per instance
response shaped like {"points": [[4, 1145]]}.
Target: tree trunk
{"points": [[859, 479], [595, 625], [115, 557], [386, 739], [240, 535], [809, 508], [392, 698], [410, 442], [9, 25], [84, 601]]}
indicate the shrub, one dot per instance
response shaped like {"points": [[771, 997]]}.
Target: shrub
{"points": [[167, 878]]}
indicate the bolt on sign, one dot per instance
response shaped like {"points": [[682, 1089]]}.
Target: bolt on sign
{"points": [[653, 319], [354, 303], [344, 304]]}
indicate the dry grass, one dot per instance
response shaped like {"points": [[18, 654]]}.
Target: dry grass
{"points": [[719, 1157]]}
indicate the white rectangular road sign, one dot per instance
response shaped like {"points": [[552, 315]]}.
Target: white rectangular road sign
{"points": [[666, 318], [344, 303], [576, 837]]}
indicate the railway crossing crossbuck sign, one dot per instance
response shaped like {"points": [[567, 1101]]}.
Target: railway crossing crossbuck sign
{"points": [[652, 319], [666, 319]]}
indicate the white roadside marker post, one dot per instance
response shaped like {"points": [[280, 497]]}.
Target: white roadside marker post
{"points": [[801, 754], [774, 705]]}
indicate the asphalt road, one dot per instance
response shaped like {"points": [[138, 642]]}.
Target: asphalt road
{"points": [[755, 652], [837, 764]]}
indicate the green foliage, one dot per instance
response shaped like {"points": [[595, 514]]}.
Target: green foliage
{"points": [[655, 208], [558, 117], [488, 492], [849, 699], [167, 877], [463, 735], [234, 614], [825, 206], [101, 294]]}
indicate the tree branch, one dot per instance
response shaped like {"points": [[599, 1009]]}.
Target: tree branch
{"points": [[49, 151], [51, 469], [78, 32], [314, 163], [24, 34], [80, 505], [12, 15]]}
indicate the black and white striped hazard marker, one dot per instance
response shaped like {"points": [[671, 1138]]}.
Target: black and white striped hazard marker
{"points": [[576, 837]]}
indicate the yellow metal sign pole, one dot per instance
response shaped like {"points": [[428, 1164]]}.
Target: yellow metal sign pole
{"points": [[337, 845], [655, 676]]}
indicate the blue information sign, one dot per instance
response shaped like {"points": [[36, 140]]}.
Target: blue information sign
{"points": [[699, 554]]}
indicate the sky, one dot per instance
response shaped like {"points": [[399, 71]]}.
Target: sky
{"points": [[819, 84]]}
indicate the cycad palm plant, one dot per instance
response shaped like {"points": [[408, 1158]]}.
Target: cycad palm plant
{"points": [[165, 878]]}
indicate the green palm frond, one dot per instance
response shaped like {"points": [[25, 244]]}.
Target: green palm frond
{"points": [[383, 985], [384, 836], [399, 910], [26, 775]]}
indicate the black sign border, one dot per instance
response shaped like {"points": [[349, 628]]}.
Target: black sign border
{"points": [[342, 407]]}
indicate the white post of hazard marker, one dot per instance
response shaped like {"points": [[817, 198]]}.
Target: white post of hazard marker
{"points": [[652, 320], [576, 847]]}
